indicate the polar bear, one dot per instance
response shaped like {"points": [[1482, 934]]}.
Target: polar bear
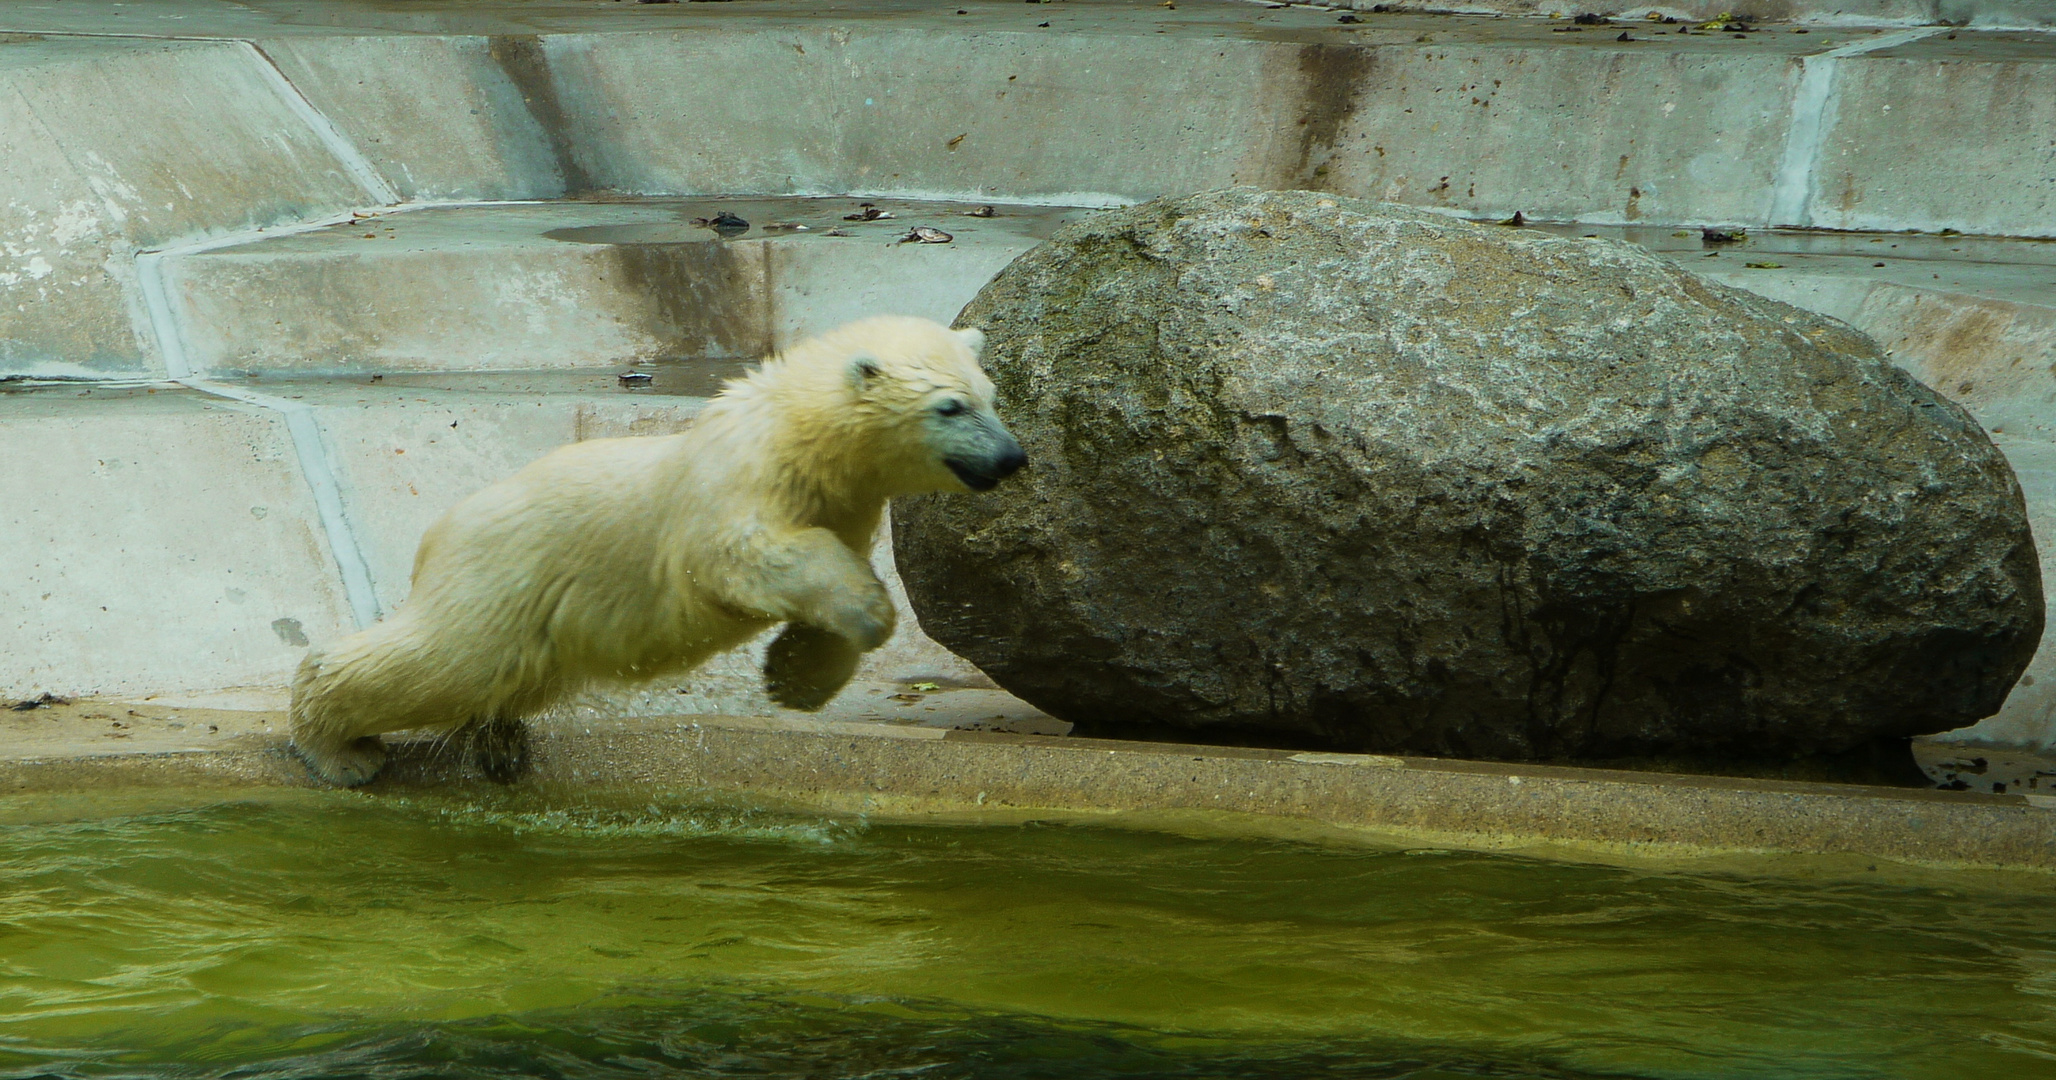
{"points": [[628, 559]]}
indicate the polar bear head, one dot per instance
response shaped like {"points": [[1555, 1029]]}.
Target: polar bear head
{"points": [[900, 398]]}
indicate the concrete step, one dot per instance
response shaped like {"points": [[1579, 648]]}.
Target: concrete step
{"points": [[1983, 14], [572, 284], [579, 284]]}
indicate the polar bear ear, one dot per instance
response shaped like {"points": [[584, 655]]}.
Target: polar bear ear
{"points": [[974, 339], [863, 368]]}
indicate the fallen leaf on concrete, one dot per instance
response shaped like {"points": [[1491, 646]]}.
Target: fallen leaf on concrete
{"points": [[922, 234], [48, 699], [868, 212], [1516, 221], [1765, 266], [1723, 236], [981, 211]]}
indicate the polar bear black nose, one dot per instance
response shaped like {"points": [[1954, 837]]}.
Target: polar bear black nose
{"points": [[1010, 461]]}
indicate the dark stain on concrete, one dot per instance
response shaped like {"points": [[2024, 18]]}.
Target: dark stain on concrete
{"points": [[1332, 77], [711, 299], [521, 56]]}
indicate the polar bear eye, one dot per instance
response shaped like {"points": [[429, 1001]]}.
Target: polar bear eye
{"points": [[952, 407]]}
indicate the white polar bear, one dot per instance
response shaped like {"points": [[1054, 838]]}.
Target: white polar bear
{"points": [[627, 559]]}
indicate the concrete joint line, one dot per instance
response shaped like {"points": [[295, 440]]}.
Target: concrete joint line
{"points": [[353, 161], [1813, 103], [318, 466], [317, 462]]}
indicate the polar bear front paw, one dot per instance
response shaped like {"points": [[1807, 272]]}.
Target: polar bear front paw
{"points": [[348, 763], [865, 619], [806, 666]]}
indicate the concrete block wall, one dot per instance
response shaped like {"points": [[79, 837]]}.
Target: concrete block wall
{"points": [[1845, 129], [178, 236]]}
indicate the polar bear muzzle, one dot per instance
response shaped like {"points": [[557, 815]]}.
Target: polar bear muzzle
{"points": [[991, 453]]}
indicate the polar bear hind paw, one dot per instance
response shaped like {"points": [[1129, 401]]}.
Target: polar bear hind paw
{"points": [[349, 763], [497, 747]]}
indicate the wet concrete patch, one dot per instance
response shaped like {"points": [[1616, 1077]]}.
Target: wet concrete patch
{"points": [[527, 65], [1333, 77]]}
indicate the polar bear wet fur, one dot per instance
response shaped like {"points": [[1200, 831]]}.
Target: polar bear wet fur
{"points": [[628, 559]]}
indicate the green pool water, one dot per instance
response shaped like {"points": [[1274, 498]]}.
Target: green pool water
{"points": [[349, 935]]}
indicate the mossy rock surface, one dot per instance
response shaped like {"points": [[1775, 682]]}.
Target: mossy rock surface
{"points": [[1313, 470]]}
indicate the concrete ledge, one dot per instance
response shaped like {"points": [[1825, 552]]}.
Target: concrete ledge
{"points": [[570, 284], [906, 771]]}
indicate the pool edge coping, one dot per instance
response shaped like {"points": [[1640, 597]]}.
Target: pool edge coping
{"points": [[891, 771]]}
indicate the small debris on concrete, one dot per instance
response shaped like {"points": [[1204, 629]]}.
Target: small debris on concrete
{"points": [[1625, 36], [925, 687], [1589, 19], [1723, 236], [635, 379], [904, 699], [785, 227], [923, 234], [981, 211], [868, 212], [836, 232], [952, 144], [1043, 25], [1347, 19], [48, 699], [1764, 266], [725, 223], [1516, 221]]}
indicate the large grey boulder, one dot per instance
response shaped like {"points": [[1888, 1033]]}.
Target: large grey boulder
{"points": [[1312, 469]]}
